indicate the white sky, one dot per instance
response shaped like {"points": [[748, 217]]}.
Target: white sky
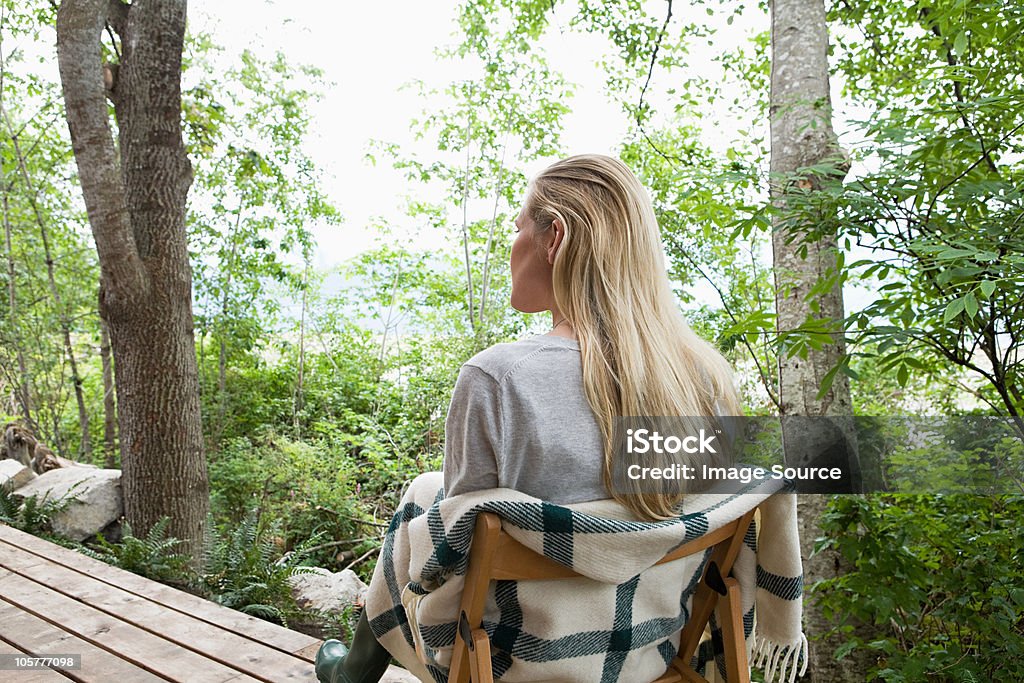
{"points": [[369, 51]]}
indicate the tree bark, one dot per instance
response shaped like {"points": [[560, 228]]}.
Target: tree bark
{"points": [[802, 136], [109, 399], [135, 198]]}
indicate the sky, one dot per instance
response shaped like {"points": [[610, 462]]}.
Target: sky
{"points": [[369, 51]]}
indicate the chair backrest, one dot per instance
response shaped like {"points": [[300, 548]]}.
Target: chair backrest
{"points": [[495, 556]]}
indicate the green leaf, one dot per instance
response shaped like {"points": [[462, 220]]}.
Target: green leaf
{"points": [[826, 382], [955, 308], [960, 44], [987, 287], [971, 305]]}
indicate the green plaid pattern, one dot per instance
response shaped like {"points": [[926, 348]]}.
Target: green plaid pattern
{"points": [[620, 622]]}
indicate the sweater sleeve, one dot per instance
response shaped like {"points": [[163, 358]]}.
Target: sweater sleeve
{"points": [[473, 434]]}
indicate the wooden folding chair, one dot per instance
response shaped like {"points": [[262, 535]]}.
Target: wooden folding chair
{"points": [[496, 556]]}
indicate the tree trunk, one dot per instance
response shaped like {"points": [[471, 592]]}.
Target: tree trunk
{"points": [[22, 388], [136, 206], [222, 361], [297, 404], [109, 402], [802, 136]]}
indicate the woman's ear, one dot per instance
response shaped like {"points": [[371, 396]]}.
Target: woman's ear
{"points": [[557, 233]]}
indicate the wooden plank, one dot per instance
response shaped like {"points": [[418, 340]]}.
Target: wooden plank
{"points": [[28, 675], [38, 637], [33, 676], [308, 653], [137, 645], [250, 627], [209, 640]]}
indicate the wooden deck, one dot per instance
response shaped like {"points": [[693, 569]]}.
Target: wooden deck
{"points": [[128, 629]]}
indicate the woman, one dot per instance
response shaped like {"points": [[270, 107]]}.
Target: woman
{"points": [[538, 415]]}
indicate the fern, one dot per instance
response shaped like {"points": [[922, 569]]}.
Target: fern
{"points": [[8, 507], [33, 515], [240, 570], [153, 556]]}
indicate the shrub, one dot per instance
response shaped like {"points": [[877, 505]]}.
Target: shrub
{"points": [[241, 570], [942, 577], [153, 556], [310, 488]]}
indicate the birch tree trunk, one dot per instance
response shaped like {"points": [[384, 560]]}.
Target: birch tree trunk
{"points": [[135, 198], [802, 136]]}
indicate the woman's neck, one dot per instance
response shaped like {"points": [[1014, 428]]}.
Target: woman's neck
{"points": [[560, 326]]}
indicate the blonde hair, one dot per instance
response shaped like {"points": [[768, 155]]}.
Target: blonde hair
{"points": [[640, 357]]}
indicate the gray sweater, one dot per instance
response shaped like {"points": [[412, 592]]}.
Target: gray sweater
{"points": [[519, 419]]}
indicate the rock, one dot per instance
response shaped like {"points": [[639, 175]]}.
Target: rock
{"points": [[396, 674], [64, 462], [322, 590], [14, 475], [98, 494]]}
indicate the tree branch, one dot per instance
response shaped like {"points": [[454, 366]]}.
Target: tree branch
{"points": [[654, 59], [80, 23], [728, 311], [958, 95], [465, 222], [647, 83]]}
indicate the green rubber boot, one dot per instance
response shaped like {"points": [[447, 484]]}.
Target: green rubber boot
{"points": [[365, 662]]}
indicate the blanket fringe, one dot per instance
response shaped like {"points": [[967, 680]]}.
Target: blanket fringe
{"points": [[782, 663]]}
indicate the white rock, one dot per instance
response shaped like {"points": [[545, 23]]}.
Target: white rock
{"points": [[14, 475], [396, 674], [98, 494], [323, 590]]}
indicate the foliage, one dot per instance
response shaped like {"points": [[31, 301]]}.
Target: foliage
{"points": [[256, 200], [32, 514], [42, 232], [153, 556], [941, 576], [318, 418], [938, 211], [242, 566], [239, 570], [311, 490], [508, 113]]}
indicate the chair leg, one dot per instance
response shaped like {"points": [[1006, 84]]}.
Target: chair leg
{"points": [[474, 595], [480, 658], [736, 665]]}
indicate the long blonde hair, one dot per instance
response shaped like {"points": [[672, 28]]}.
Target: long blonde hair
{"points": [[640, 357]]}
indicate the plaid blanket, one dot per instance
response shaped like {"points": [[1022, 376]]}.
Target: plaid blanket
{"points": [[620, 621]]}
